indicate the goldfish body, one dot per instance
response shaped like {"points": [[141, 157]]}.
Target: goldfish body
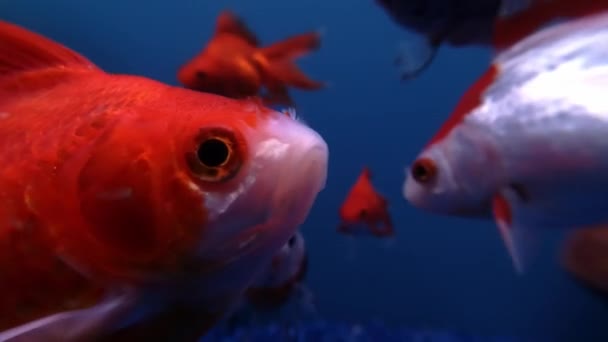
{"points": [[364, 206], [130, 209], [234, 65], [527, 143]]}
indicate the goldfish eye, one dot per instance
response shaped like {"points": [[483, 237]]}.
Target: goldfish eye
{"points": [[218, 155], [201, 75], [424, 171], [213, 152]]}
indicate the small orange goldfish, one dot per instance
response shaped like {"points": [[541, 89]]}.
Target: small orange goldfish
{"points": [[133, 210], [364, 205], [234, 65]]}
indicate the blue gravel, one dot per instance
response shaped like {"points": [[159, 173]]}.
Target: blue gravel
{"points": [[324, 331]]}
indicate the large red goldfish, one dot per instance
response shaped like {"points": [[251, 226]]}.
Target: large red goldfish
{"points": [[130, 209], [527, 143], [234, 64]]}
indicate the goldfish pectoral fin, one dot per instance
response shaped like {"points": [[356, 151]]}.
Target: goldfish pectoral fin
{"points": [[228, 22], [76, 325], [521, 241], [22, 50]]}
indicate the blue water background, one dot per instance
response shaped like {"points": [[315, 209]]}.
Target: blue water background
{"points": [[439, 273]]}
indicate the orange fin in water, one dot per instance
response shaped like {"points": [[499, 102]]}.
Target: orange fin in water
{"points": [[228, 22], [280, 60], [22, 50]]}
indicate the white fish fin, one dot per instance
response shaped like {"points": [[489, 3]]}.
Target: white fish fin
{"points": [[76, 325], [521, 241]]}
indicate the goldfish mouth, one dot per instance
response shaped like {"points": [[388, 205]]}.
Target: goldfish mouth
{"points": [[288, 169], [296, 189]]}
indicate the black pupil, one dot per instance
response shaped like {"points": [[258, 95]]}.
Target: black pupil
{"points": [[292, 241], [420, 172], [201, 74], [213, 152]]}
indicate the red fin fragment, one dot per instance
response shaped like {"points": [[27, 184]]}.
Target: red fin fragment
{"points": [[22, 50], [228, 22]]}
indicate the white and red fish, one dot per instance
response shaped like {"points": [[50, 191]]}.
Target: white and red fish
{"points": [[527, 143], [131, 210]]}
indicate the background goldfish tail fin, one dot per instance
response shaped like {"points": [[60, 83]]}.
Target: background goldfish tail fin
{"points": [[293, 47], [281, 58], [23, 50]]}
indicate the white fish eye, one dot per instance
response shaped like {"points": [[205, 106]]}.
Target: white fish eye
{"points": [[424, 171]]}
